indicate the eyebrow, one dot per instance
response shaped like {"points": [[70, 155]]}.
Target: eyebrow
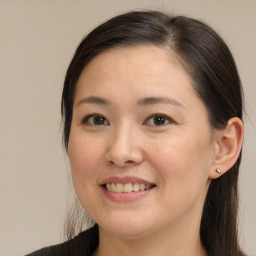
{"points": [[94, 100], [159, 100], [141, 102]]}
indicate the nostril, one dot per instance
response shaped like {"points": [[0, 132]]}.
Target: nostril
{"points": [[129, 162], [120, 163]]}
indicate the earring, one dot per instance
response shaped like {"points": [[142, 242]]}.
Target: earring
{"points": [[218, 171]]}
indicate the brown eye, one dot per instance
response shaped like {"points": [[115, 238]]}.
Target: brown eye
{"points": [[95, 119], [98, 120], [159, 120]]}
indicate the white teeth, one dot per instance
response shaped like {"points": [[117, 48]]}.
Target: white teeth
{"points": [[108, 187], [127, 188], [119, 187], [142, 187], [113, 187], [136, 187]]}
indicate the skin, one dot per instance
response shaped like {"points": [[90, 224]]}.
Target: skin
{"points": [[179, 156]]}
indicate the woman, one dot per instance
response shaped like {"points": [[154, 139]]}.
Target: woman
{"points": [[152, 109]]}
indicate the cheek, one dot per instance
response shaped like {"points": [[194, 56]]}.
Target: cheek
{"points": [[182, 171], [182, 163], [85, 156]]}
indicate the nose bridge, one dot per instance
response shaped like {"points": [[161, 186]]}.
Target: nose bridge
{"points": [[124, 146]]}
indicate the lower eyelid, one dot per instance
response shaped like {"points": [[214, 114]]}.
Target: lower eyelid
{"points": [[86, 119], [167, 118]]}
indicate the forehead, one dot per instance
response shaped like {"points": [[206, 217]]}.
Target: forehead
{"points": [[143, 64], [149, 54]]}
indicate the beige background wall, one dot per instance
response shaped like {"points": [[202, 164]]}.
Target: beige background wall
{"points": [[37, 40]]}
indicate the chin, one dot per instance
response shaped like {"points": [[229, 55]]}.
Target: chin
{"points": [[126, 231], [128, 227]]}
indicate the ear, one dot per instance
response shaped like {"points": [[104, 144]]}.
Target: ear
{"points": [[228, 144]]}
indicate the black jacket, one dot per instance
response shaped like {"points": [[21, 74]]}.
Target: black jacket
{"points": [[82, 245]]}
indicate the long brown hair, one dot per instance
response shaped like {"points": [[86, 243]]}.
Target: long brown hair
{"points": [[209, 62]]}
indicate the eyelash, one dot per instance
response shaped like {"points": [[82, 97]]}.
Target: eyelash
{"points": [[159, 115], [86, 119]]}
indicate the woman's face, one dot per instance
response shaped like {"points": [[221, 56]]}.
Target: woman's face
{"points": [[140, 147]]}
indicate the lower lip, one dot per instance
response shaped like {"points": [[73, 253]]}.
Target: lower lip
{"points": [[126, 197]]}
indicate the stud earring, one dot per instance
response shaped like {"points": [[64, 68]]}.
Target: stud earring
{"points": [[218, 171]]}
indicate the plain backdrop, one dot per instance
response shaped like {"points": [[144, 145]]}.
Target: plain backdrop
{"points": [[37, 41]]}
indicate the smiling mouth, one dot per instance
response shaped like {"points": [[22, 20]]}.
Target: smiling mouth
{"points": [[128, 187]]}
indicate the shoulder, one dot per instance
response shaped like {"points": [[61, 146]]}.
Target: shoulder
{"points": [[83, 244], [47, 251]]}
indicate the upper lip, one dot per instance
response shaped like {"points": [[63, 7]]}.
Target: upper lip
{"points": [[124, 180]]}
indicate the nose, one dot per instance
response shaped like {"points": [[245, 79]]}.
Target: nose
{"points": [[124, 148]]}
